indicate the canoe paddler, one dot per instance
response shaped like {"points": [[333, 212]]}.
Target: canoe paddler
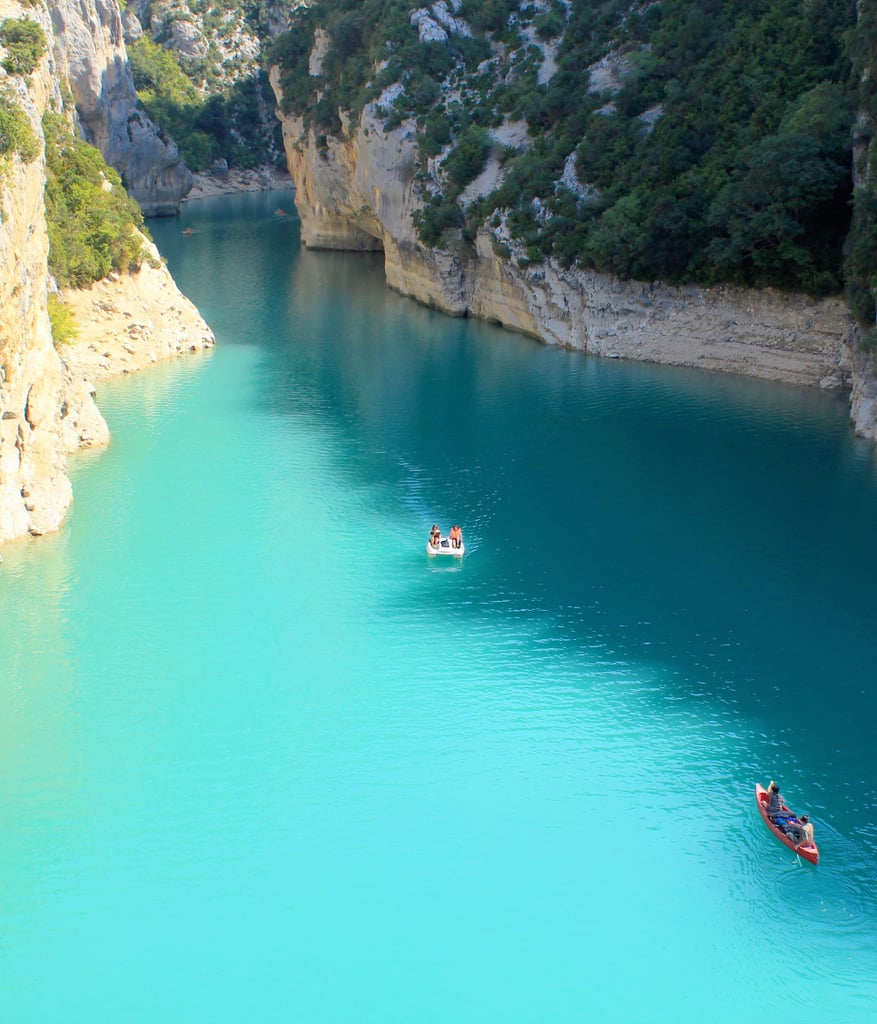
{"points": [[774, 801]]}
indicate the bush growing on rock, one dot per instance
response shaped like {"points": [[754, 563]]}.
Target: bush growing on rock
{"points": [[468, 158], [64, 327], [25, 43], [93, 225], [16, 135]]}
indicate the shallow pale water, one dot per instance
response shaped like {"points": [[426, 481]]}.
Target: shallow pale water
{"points": [[263, 760]]}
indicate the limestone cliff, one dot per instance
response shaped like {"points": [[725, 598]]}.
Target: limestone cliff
{"points": [[47, 407], [863, 400], [90, 56], [358, 192], [34, 488]]}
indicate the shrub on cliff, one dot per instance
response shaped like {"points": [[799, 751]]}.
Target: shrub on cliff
{"points": [[437, 218], [64, 326], [93, 225], [16, 135], [25, 43], [469, 157], [860, 256]]}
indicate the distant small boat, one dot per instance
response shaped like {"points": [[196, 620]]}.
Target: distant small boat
{"points": [[809, 851], [444, 547]]}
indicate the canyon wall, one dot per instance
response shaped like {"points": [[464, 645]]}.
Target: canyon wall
{"points": [[34, 487], [358, 192], [89, 56], [47, 407]]}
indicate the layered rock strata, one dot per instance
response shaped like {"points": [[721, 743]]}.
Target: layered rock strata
{"points": [[359, 193]]}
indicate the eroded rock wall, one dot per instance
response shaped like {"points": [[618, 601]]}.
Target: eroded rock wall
{"points": [[90, 55], [359, 193]]}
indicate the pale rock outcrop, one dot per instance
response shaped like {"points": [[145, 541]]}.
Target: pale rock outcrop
{"points": [[187, 40], [318, 52], [436, 23], [129, 321], [90, 55], [607, 74], [428, 29], [359, 193], [442, 12], [131, 27]]}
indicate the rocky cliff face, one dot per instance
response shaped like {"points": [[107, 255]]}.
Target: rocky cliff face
{"points": [[47, 407], [358, 193], [33, 388], [863, 399], [90, 56]]}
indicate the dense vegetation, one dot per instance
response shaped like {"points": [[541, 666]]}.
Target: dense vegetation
{"points": [[94, 227], [720, 152], [25, 43], [228, 124], [16, 135], [64, 326], [198, 74]]}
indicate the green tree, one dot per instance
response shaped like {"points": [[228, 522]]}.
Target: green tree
{"points": [[769, 217]]}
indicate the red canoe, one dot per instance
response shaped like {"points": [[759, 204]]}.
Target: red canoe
{"points": [[809, 851]]}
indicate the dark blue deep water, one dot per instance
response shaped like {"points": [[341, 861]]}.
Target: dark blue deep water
{"points": [[263, 760]]}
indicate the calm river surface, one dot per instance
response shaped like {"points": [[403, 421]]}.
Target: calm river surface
{"points": [[262, 760]]}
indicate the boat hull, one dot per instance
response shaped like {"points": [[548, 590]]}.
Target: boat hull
{"points": [[445, 548], [809, 851]]}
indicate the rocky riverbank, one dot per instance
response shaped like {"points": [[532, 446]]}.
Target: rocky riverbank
{"points": [[230, 181]]}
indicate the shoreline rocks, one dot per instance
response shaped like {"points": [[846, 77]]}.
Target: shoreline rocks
{"points": [[224, 181], [127, 322]]}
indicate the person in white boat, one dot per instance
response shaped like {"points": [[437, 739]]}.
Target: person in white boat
{"points": [[435, 536], [456, 537]]}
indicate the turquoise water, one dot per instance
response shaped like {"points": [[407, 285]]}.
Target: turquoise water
{"points": [[260, 759]]}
